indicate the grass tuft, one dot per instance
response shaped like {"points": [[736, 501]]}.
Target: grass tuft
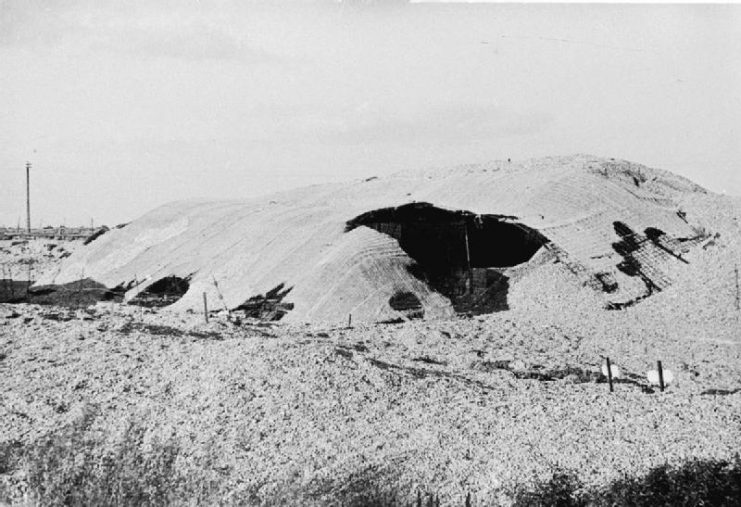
{"points": [[696, 482], [75, 465]]}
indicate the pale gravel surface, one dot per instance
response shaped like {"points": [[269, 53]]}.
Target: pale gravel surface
{"points": [[303, 410]]}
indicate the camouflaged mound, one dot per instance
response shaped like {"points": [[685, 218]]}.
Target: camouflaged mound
{"points": [[411, 245]]}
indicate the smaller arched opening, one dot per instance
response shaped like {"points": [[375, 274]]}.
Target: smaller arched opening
{"points": [[163, 292]]}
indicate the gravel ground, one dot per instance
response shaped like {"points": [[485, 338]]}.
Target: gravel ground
{"points": [[279, 413], [442, 406]]}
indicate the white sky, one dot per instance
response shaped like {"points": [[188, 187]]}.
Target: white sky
{"points": [[124, 106]]}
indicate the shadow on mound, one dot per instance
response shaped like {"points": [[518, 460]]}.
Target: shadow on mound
{"points": [[268, 306], [642, 254]]}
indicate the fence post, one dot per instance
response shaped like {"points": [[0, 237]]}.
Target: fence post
{"points": [[205, 308], [609, 374], [661, 375]]}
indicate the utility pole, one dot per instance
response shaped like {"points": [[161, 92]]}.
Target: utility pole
{"points": [[28, 197]]}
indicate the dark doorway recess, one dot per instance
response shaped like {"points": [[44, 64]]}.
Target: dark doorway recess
{"points": [[163, 292], [462, 255]]}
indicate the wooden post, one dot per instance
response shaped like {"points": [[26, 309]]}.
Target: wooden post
{"points": [[468, 259], [205, 308], [609, 374], [661, 375], [349, 320]]}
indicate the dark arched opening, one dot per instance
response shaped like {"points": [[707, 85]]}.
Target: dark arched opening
{"points": [[460, 254]]}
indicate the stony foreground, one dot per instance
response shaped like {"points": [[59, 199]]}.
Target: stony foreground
{"points": [[277, 414]]}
